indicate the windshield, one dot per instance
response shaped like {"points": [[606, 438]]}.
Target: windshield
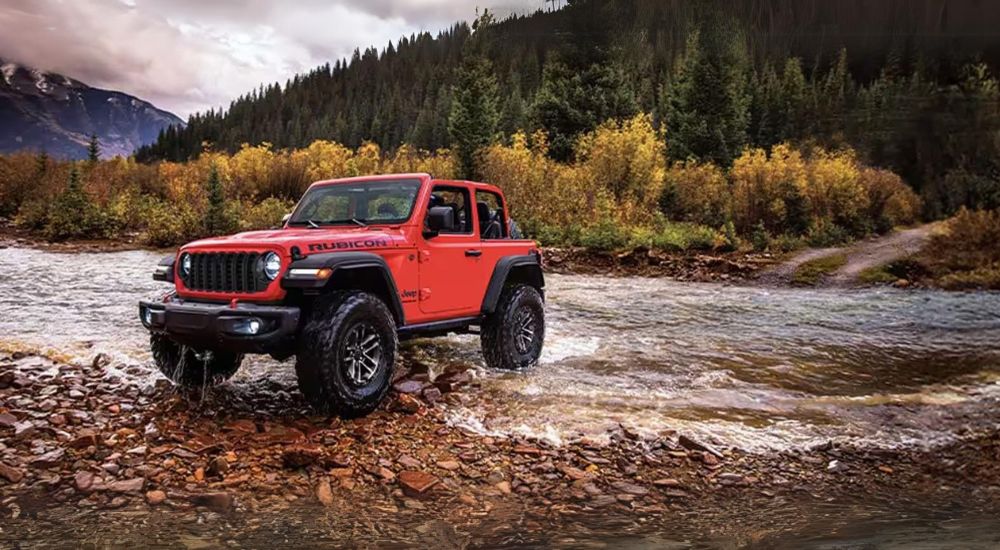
{"points": [[357, 203]]}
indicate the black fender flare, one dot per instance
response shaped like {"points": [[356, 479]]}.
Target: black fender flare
{"points": [[166, 274], [527, 266], [343, 263]]}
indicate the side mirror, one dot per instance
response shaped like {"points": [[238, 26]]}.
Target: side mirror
{"points": [[440, 218]]}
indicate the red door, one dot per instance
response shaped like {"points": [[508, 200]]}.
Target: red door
{"points": [[448, 261]]}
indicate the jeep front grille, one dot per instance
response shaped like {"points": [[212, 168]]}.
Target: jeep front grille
{"points": [[226, 272]]}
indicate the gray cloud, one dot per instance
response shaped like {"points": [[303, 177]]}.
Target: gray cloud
{"points": [[187, 55]]}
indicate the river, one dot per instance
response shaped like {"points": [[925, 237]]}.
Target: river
{"points": [[759, 369], [754, 368]]}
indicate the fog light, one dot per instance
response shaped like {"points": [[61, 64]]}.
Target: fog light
{"points": [[249, 326]]}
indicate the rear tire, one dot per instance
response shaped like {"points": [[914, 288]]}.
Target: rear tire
{"points": [[513, 335], [346, 352], [191, 368]]}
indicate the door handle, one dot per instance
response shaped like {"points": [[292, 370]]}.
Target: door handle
{"points": [[474, 253]]}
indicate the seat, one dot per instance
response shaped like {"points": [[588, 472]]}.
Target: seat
{"points": [[489, 227]]}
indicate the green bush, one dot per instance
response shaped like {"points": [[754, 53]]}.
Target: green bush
{"points": [[605, 236], [171, 224], [266, 214], [760, 238], [824, 235]]}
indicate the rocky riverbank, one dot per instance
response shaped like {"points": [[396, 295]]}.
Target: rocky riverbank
{"points": [[101, 439]]}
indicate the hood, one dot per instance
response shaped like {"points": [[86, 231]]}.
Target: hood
{"points": [[309, 241]]}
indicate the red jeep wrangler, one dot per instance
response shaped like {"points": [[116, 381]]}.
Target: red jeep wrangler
{"points": [[359, 264]]}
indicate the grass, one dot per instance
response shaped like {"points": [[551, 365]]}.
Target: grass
{"points": [[878, 275], [810, 273]]}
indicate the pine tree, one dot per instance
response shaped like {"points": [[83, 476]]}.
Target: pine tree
{"points": [[215, 216], [472, 123], [93, 149], [707, 104], [571, 103]]}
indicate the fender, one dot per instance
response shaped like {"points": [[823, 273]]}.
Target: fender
{"points": [[165, 270], [527, 268], [345, 264]]}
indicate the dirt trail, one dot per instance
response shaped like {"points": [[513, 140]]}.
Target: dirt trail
{"points": [[860, 256]]}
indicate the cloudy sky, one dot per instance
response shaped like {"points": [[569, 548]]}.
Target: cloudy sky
{"points": [[188, 55]]}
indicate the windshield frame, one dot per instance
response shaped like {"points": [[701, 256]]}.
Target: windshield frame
{"points": [[295, 221]]}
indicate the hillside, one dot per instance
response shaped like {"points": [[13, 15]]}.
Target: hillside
{"points": [[50, 112], [908, 83]]}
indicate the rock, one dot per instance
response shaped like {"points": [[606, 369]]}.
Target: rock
{"points": [[100, 361], [527, 450], [574, 474], [503, 487], [451, 381], [324, 493], [48, 460], [408, 404], [693, 445], [241, 425], [901, 283], [128, 486], [341, 472], [24, 430], [408, 386], [154, 498], [730, 478], [219, 466], [6, 380], [409, 462], [7, 421], [87, 439], [111, 468], [83, 481], [667, 482], [218, 502], [415, 484], [199, 474], [10, 473], [386, 473], [449, 465], [301, 456], [629, 488], [283, 434], [432, 395]]}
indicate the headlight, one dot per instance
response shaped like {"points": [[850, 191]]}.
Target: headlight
{"points": [[272, 266], [185, 264]]}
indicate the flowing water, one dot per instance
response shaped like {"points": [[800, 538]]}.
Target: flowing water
{"points": [[761, 369], [755, 368]]}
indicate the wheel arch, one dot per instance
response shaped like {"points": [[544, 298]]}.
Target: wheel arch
{"points": [[519, 269], [362, 271]]}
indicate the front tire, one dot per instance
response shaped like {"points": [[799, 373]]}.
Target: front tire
{"points": [[191, 368], [513, 335], [346, 353]]}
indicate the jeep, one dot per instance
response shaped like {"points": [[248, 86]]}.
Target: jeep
{"points": [[360, 264]]}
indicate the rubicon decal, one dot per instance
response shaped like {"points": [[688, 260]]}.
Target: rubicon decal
{"points": [[348, 245]]}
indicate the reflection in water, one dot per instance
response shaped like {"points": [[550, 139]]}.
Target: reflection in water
{"points": [[750, 367]]}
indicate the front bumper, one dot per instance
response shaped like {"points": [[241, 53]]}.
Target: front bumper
{"points": [[243, 328]]}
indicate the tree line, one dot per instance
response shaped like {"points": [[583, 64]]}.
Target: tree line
{"points": [[717, 77]]}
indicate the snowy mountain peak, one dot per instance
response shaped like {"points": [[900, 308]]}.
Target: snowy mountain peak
{"points": [[41, 110]]}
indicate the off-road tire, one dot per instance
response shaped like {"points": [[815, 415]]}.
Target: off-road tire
{"points": [[324, 359], [501, 329], [191, 368]]}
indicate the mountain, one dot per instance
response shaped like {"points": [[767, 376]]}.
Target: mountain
{"points": [[42, 111], [402, 93]]}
